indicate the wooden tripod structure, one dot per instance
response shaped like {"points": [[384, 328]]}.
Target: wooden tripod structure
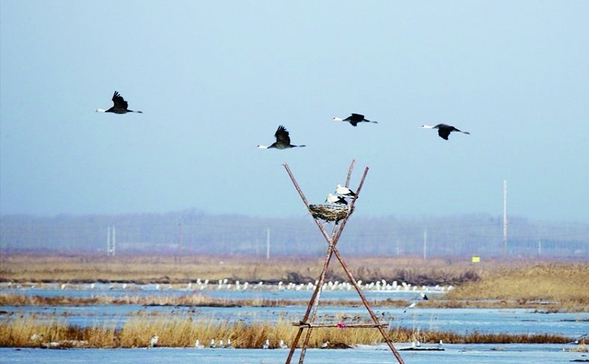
{"points": [[308, 321]]}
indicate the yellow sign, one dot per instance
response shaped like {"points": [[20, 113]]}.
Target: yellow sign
{"points": [[476, 259]]}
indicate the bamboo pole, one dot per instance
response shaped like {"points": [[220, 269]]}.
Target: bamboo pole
{"points": [[308, 319]]}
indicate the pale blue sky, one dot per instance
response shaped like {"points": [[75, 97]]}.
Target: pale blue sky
{"points": [[214, 79]]}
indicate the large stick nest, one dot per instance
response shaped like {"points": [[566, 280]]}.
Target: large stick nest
{"points": [[329, 213]]}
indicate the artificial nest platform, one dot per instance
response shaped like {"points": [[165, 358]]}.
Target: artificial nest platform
{"points": [[330, 213]]}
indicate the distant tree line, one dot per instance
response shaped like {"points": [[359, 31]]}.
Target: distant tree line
{"points": [[196, 232]]}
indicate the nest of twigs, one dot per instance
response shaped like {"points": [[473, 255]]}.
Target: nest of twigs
{"points": [[329, 213]]}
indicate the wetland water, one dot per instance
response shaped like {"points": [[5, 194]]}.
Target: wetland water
{"points": [[453, 354], [462, 321]]}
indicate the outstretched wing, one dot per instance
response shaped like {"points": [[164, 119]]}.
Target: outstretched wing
{"points": [[282, 135], [444, 133], [358, 117], [119, 102]]}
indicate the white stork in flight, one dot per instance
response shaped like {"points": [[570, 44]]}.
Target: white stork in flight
{"points": [[282, 140], [354, 119], [444, 130], [120, 105]]}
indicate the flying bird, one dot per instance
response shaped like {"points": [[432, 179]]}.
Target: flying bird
{"points": [[354, 119], [282, 140], [413, 304], [344, 191], [444, 130], [331, 198], [120, 105]]}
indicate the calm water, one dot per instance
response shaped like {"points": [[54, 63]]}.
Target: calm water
{"points": [[453, 354]]}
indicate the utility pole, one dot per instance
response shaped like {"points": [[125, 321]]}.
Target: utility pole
{"points": [[110, 241], [425, 245], [504, 218], [268, 243], [179, 241], [539, 247]]}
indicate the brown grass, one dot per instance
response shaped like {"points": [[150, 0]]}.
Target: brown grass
{"points": [[167, 269], [181, 331], [565, 284], [202, 300]]}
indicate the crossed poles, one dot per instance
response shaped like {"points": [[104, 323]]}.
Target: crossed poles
{"points": [[308, 321]]}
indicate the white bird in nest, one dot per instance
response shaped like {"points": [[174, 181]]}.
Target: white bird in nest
{"points": [[153, 341], [333, 199], [344, 191]]}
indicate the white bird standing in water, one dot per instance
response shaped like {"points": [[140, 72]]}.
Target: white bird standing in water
{"points": [[354, 119], [331, 198], [120, 105], [444, 130], [153, 341], [344, 191], [198, 345], [266, 344]]}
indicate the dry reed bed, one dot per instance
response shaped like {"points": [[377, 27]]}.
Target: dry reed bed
{"points": [[181, 331], [167, 269], [565, 284], [199, 300]]}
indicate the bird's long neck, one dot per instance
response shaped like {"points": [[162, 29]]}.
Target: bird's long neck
{"points": [[427, 126], [337, 119], [100, 110], [262, 147]]}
